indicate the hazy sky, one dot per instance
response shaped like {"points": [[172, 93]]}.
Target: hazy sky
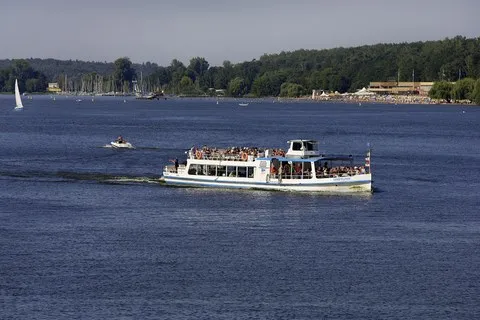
{"points": [[160, 31]]}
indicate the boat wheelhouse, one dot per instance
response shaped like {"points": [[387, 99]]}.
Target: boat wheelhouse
{"points": [[300, 168]]}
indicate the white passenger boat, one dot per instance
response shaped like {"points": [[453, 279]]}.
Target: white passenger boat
{"points": [[301, 168]]}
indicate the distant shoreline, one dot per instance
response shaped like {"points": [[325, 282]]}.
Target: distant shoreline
{"points": [[349, 99]]}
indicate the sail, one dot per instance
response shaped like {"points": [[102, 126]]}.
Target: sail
{"points": [[18, 98]]}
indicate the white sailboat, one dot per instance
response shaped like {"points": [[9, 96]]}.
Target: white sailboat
{"points": [[18, 98]]}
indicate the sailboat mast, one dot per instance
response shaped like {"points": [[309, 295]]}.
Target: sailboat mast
{"points": [[66, 84]]}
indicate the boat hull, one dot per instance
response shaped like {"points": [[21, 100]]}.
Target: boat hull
{"points": [[359, 183], [123, 145]]}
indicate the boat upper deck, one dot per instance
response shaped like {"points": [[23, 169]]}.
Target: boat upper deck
{"points": [[300, 149], [230, 154]]}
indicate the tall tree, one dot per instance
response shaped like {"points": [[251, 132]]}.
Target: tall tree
{"points": [[463, 89], [476, 93], [123, 73], [441, 90], [237, 87], [177, 70]]}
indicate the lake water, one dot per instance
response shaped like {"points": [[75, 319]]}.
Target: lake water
{"points": [[89, 233]]}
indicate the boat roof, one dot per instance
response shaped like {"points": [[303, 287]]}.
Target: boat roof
{"points": [[302, 140]]}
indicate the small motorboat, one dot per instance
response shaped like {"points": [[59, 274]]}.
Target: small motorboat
{"points": [[121, 143]]}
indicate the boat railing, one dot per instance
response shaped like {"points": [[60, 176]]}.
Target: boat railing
{"points": [[310, 176], [336, 175], [292, 176], [222, 156], [171, 168]]}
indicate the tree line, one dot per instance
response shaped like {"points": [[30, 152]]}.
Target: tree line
{"points": [[289, 74], [462, 90]]}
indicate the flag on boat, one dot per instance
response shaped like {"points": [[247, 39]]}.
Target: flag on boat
{"points": [[367, 159]]}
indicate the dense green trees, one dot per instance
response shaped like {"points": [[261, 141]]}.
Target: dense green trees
{"points": [[123, 74], [269, 83], [291, 90], [475, 96], [237, 87], [464, 89], [442, 90], [29, 80], [286, 73]]}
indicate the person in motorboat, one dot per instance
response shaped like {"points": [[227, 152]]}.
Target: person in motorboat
{"points": [[121, 143]]}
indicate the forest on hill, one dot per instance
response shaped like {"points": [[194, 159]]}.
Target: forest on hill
{"points": [[289, 74]]}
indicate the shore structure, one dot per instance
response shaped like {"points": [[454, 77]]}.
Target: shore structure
{"points": [[300, 168], [389, 92]]}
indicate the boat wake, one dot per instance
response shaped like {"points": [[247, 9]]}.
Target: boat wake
{"points": [[109, 146], [68, 176], [106, 178]]}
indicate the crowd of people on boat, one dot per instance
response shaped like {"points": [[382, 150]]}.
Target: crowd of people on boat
{"points": [[232, 153], [296, 171], [339, 171]]}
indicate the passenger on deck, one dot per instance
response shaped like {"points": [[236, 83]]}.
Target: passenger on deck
{"points": [[273, 170], [175, 162], [298, 168]]}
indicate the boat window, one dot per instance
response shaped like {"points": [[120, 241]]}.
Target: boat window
{"points": [[192, 170], [311, 146], [296, 170], [221, 171], [307, 170], [296, 146], [242, 172], [211, 170], [201, 169], [231, 171]]}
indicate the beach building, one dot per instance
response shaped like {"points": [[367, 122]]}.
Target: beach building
{"points": [[53, 87], [401, 88]]}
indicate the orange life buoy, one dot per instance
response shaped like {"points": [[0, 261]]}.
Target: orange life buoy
{"points": [[198, 154], [244, 156], [273, 170]]}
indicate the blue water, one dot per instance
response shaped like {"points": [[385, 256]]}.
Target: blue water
{"points": [[89, 233]]}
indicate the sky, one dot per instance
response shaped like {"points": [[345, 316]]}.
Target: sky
{"points": [[159, 31]]}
